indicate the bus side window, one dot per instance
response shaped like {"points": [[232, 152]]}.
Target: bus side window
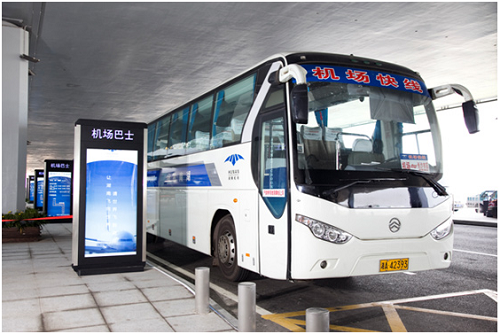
{"points": [[151, 140], [161, 143], [275, 97], [273, 178], [178, 130], [231, 109], [199, 125]]}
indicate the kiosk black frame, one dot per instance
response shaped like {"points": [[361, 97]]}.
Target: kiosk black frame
{"points": [[29, 179], [106, 136]]}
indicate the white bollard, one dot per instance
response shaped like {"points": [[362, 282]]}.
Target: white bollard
{"points": [[202, 289], [246, 307], [317, 320]]}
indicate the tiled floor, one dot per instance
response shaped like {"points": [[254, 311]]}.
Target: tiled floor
{"points": [[41, 292]]}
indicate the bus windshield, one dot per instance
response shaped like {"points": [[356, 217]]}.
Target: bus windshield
{"points": [[370, 129]]}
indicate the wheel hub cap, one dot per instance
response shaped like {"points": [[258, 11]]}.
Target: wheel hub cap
{"points": [[226, 248]]}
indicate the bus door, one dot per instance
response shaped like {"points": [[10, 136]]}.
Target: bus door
{"points": [[273, 189]]}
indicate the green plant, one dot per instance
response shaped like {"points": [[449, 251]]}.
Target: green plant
{"points": [[21, 220]]}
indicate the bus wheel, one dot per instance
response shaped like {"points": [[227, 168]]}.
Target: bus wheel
{"points": [[226, 250]]}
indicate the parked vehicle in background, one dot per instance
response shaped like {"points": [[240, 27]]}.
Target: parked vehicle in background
{"points": [[457, 205], [492, 206], [484, 200], [473, 202], [485, 203]]}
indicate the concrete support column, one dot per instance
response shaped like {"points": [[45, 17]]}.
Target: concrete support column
{"points": [[15, 42]]}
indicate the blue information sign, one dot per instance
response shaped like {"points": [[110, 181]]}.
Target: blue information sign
{"points": [[59, 194], [31, 188], [59, 185], [39, 188]]}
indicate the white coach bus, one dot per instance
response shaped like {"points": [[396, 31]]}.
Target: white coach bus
{"points": [[306, 166]]}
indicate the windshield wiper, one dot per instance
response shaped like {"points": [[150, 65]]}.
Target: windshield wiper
{"points": [[354, 182], [334, 190], [440, 190]]}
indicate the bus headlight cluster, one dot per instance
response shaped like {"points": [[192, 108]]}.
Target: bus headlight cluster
{"points": [[324, 231], [443, 230]]}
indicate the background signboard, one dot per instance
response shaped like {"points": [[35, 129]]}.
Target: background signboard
{"points": [[58, 188], [108, 215], [31, 188], [39, 188]]}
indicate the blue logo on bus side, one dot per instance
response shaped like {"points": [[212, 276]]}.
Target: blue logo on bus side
{"points": [[233, 158]]}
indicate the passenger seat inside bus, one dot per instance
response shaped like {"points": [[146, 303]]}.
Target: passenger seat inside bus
{"points": [[223, 135], [334, 143], [362, 153], [315, 149], [201, 140]]}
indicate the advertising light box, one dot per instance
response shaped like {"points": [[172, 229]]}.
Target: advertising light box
{"points": [[111, 203], [31, 189], [108, 214], [58, 188], [39, 188]]}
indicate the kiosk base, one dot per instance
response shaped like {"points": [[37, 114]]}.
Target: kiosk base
{"points": [[81, 271]]}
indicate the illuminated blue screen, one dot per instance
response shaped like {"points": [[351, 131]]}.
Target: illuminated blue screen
{"points": [[39, 191], [32, 190], [111, 203], [58, 194]]}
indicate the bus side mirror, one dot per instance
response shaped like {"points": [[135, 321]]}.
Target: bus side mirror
{"points": [[300, 104], [471, 116]]}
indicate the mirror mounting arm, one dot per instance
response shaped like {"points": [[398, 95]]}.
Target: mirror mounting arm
{"points": [[299, 94], [444, 90], [471, 115], [293, 71]]}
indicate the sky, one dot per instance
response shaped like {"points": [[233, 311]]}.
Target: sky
{"points": [[471, 161]]}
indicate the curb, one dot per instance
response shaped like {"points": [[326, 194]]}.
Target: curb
{"points": [[474, 223], [152, 260]]}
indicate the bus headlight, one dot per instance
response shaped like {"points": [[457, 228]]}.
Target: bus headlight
{"points": [[442, 230], [324, 231]]}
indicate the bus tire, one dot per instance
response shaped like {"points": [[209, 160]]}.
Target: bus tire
{"points": [[226, 250]]}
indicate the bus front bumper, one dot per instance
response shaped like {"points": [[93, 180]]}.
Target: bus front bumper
{"points": [[321, 259]]}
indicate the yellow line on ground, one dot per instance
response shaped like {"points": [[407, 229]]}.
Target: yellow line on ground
{"points": [[283, 315], [330, 309], [353, 307], [286, 321], [389, 307], [393, 318], [298, 325], [349, 329]]}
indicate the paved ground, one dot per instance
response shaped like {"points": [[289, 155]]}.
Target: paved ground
{"points": [[41, 292]]}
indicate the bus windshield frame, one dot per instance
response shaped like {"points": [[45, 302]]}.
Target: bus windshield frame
{"points": [[366, 128]]}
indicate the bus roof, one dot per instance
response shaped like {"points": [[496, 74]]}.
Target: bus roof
{"points": [[312, 58]]}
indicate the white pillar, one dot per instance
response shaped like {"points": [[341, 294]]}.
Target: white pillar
{"points": [[15, 42]]}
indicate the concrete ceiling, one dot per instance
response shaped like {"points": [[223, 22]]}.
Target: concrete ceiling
{"points": [[134, 61]]}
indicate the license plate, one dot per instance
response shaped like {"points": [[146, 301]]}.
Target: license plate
{"points": [[394, 264]]}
